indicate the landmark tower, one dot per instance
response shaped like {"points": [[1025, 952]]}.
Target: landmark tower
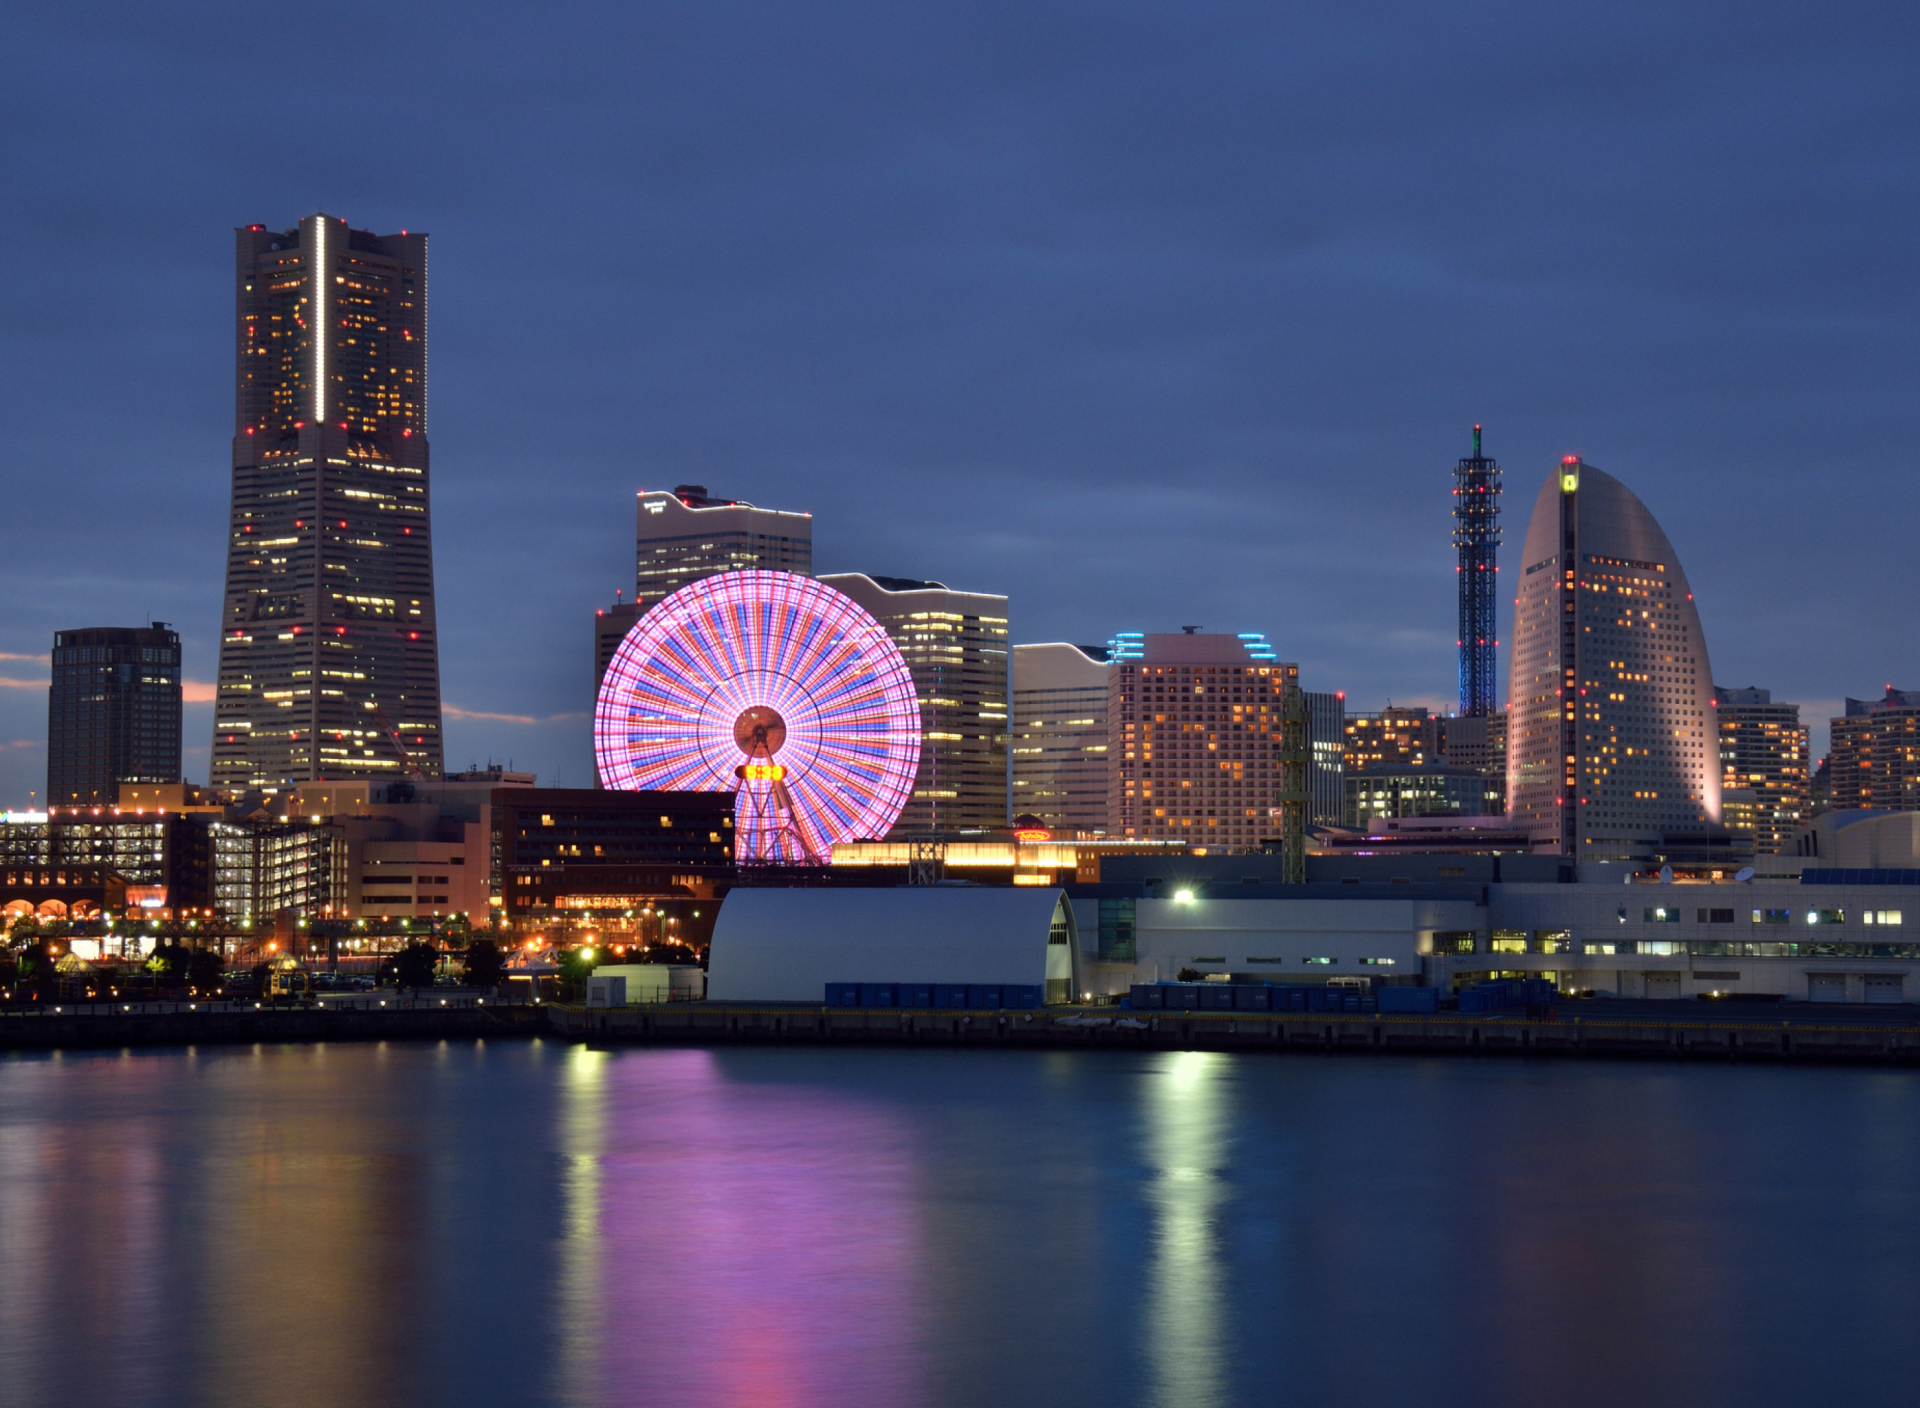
{"points": [[329, 648]]}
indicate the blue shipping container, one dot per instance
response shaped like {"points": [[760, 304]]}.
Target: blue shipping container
{"points": [[843, 994], [916, 995], [1216, 997], [1395, 999], [1250, 997], [1147, 997], [876, 995], [1022, 995]]}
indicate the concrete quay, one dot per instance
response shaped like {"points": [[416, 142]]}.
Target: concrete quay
{"points": [[96, 1025], [1665, 1030]]}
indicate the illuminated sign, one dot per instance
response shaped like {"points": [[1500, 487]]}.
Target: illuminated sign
{"points": [[761, 772], [1032, 834]]}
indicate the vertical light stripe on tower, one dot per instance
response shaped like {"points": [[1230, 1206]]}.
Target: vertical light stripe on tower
{"points": [[320, 320]]}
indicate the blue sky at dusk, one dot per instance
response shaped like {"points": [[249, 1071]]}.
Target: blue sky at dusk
{"points": [[1146, 315]]}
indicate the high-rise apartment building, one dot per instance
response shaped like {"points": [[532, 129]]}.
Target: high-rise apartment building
{"points": [[685, 535], [1327, 735], [1613, 752], [955, 645], [1478, 743], [113, 713], [1763, 751], [329, 647], [1875, 758], [1193, 723], [1059, 736]]}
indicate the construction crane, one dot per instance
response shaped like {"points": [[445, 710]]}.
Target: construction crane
{"points": [[414, 769], [1296, 753]]}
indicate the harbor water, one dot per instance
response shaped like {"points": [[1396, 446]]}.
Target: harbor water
{"points": [[530, 1223]]}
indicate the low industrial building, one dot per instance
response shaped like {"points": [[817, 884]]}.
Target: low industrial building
{"points": [[1827, 933], [788, 945]]}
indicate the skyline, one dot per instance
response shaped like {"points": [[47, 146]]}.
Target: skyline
{"points": [[1040, 328]]}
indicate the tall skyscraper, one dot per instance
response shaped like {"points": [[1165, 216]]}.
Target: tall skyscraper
{"points": [[113, 713], [1059, 736], [329, 648], [1476, 533], [1193, 723], [1875, 758], [955, 645], [686, 535], [1763, 750], [1613, 750]]}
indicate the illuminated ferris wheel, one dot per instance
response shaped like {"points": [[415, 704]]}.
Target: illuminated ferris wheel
{"points": [[773, 687]]}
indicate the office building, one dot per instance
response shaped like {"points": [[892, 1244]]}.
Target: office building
{"points": [[685, 535], [1396, 737], [1327, 734], [1194, 738], [113, 713], [955, 645], [1612, 751], [1763, 753], [610, 627], [1476, 534], [1059, 737], [1875, 757], [1392, 793], [1478, 743], [329, 654], [639, 866]]}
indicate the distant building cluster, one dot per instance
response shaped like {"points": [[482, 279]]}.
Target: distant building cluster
{"points": [[329, 806]]}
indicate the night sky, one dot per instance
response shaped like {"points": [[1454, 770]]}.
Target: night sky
{"points": [[1146, 315]]}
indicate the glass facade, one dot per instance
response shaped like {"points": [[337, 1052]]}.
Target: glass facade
{"points": [[113, 713]]}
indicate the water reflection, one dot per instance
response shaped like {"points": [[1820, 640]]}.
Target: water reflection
{"points": [[526, 1224], [741, 1244], [1187, 1136]]}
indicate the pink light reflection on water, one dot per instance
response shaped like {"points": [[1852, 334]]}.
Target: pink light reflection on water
{"points": [[754, 1244]]}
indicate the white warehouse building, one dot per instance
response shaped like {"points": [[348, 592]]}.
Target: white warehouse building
{"points": [[776, 945]]}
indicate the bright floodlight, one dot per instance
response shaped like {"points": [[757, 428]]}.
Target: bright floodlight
{"points": [[775, 688]]}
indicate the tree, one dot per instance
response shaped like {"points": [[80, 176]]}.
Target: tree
{"points": [[262, 981], [484, 964], [168, 964], [204, 971], [23, 931], [576, 965], [1187, 975], [413, 966]]}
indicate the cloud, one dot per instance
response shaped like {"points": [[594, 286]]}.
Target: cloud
{"points": [[20, 743], [6, 683], [9, 655], [197, 691], [454, 711]]}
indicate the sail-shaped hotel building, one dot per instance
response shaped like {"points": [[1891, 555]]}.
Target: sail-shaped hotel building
{"points": [[1613, 749]]}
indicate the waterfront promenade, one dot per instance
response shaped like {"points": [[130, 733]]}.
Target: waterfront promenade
{"points": [[1576, 1028]]}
